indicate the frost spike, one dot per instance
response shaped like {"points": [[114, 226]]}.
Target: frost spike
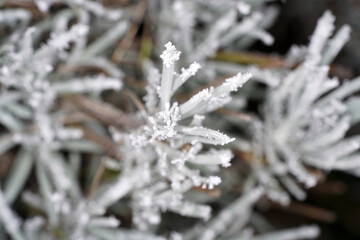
{"points": [[169, 56]]}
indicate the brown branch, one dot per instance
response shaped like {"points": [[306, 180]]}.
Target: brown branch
{"points": [[309, 211], [104, 142], [76, 117], [266, 61], [128, 40], [241, 116], [134, 83], [104, 112], [261, 60], [28, 5], [97, 178], [329, 188], [135, 100], [213, 193]]}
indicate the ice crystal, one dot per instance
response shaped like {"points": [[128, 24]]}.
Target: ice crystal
{"points": [[170, 55]]}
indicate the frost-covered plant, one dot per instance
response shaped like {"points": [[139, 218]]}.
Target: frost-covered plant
{"points": [[81, 165], [169, 150], [31, 84], [30, 88], [304, 119]]}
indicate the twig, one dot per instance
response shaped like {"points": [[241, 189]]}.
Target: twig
{"points": [[329, 187], [309, 211], [213, 193], [135, 100], [102, 141], [127, 41], [97, 178], [241, 116], [182, 97], [134, 83], [104, 112], [267, 61], [261, 60]]}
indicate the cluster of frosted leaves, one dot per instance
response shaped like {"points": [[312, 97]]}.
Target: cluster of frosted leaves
{"points": [[305, 120], [222, 24], [78, 218], [30, 86], [24, 73], [27, 75], [172, 150]]}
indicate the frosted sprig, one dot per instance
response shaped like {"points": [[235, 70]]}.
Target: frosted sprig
{"points": [[206, 135], [170, 55], [323, 31], [90, 84], [61, 40], [167, 131], [237, 81], [185, 75]]}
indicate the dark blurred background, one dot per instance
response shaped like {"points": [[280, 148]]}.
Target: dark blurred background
{"points": [[297, 21]]}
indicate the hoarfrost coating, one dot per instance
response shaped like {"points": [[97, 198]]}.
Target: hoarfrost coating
{"points": [[94, 153]]}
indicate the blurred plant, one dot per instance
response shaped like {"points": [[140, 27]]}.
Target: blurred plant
{"points": [[201, 28], [305, 120]]}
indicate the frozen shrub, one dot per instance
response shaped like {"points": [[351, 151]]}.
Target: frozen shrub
{"points": [[97, 155]]}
